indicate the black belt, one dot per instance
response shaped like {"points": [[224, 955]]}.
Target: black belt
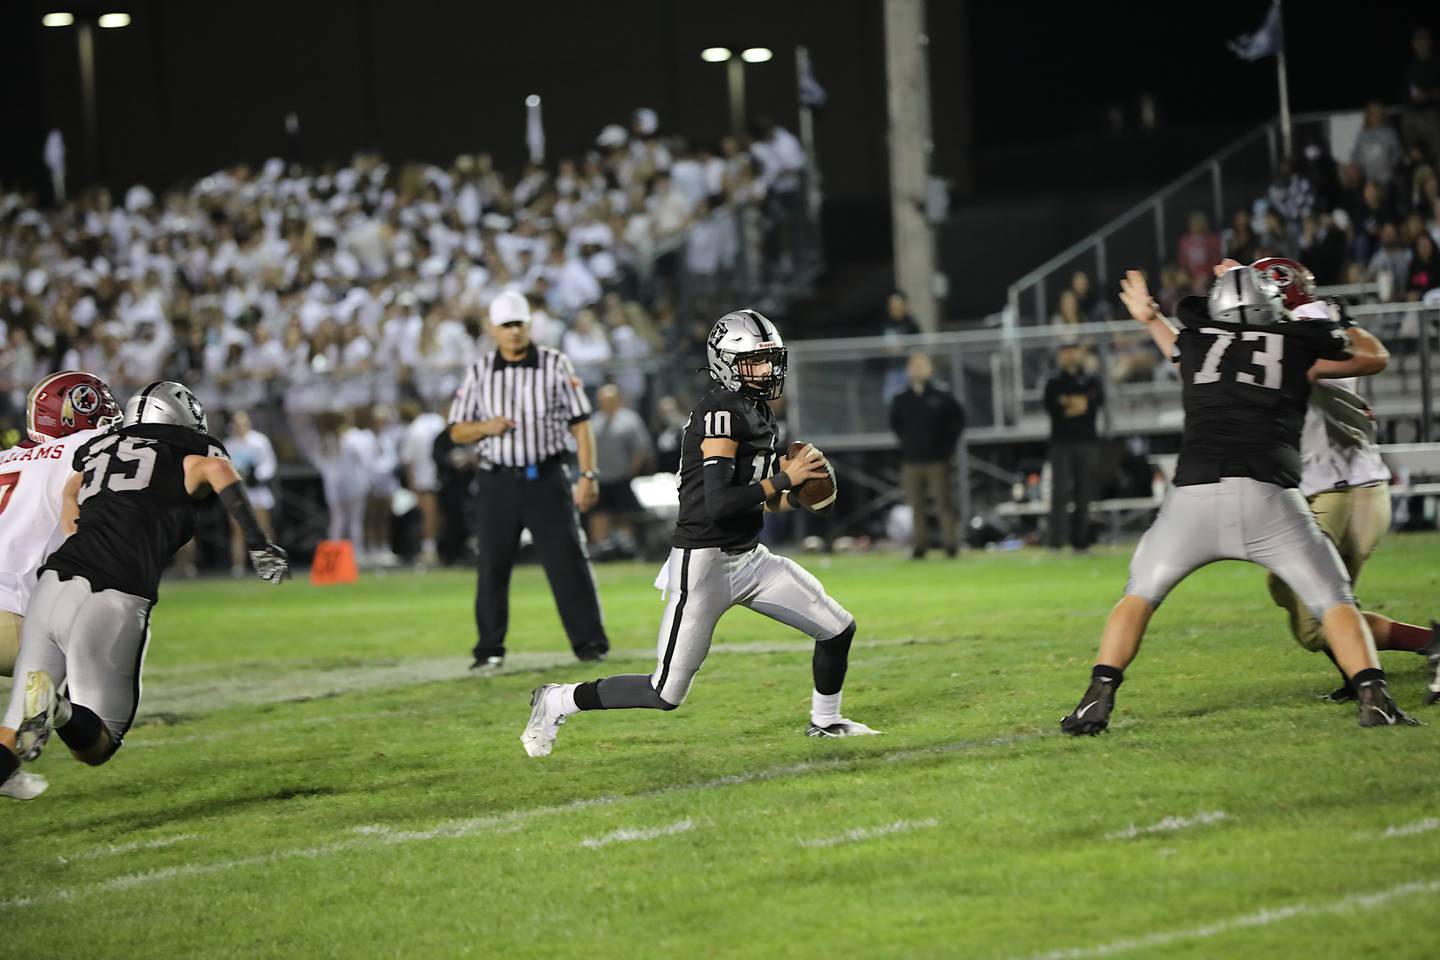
{"points": [[527, 472]]}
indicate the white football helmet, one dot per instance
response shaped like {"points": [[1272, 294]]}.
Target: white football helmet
{"points": [[1245, 295], [742, 340], [166, 401]]}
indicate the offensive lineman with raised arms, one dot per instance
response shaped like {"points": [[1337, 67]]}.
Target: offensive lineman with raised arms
{"points": [[1244, 365], [716, 560], [134, 496]]}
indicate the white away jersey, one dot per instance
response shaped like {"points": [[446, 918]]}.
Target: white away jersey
{"points": [[1332, 455], [32, 485]]}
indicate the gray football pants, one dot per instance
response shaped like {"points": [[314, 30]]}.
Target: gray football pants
{"points": [[703, 583], [1239, 519], [96, 641]]}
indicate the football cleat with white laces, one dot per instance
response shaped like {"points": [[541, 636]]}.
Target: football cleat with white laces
{"points": [[840, 728], [24, 786], [1377, 709], [545, 719], [39, 717]]}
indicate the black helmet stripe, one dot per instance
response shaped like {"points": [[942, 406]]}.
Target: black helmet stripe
{"points": [[145, 396]]}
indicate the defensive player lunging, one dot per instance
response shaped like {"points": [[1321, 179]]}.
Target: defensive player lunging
{"points": [[716, 561], [88, 622], [1344, 479], [63, 412], [1245, 375]]}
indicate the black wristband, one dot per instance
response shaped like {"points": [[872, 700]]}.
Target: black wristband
{"points": [[233, 499], [780, 482]]}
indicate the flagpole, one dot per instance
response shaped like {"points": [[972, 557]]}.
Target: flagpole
{"points": [[1284, 89]]}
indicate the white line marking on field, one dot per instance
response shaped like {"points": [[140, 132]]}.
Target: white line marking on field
{"points": [[1410, 829], [1170, 825], [379, 836], [870, 833], [110, 850], [645, 833], [1260, 918]]}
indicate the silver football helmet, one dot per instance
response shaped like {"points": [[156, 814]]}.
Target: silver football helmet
{"points": [[1245, 295], [739, 342], [166, 401]]}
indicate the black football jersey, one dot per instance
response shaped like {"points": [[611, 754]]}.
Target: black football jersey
{"points": [[1245, 391], [134, 511], [724, 413]]}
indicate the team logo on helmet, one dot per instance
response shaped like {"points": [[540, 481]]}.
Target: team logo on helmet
{"points": [[197, 411], [82, 399]]}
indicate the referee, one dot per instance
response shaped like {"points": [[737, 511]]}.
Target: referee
{"points": [[523, 403]]}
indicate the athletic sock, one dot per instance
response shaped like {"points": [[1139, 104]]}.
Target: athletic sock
{"points": [[9, 764], [565, 698], [824, 708], [580, 696], [1115, 675], [82, 730], [1407, 636], [1368, 675]]}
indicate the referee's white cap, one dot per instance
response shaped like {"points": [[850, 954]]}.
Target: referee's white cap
{"points": [[508, 307]]}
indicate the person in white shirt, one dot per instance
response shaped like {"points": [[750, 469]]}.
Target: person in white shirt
{"points": [[422, 476], [1346, 482], [63, 412], [588, 348], [254, 458]]}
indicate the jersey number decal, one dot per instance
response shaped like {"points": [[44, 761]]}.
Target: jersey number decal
{"points": [[129, 469], [717, 423], [8, 483], [1269, 358]]}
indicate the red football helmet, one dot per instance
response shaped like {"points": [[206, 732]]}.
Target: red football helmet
{"points": [[1296, 282], [67, 402]]}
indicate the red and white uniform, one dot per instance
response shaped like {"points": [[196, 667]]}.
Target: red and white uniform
{"points": [[1325, 464], [32, 486]]}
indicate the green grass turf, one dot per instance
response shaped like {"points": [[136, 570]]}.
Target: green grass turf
{"points": [[314, 774]]}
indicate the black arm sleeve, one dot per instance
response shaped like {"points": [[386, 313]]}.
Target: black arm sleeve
{"points": [[237, 504], [722, 498]]}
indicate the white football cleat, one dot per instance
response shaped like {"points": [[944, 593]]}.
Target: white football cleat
{"points": [[545, 719], [24, 786], [39, 717], [841, 728]]}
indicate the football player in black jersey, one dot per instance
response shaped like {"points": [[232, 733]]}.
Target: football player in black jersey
{"points": [[132, 501], [1245, 371], [728, 479]]}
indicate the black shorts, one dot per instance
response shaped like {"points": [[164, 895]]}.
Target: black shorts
{"points": [[616, 496]]}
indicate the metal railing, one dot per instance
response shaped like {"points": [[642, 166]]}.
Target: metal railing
{"points": [[1146, 235]]}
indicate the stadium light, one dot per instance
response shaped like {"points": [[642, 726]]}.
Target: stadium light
{"points": [[111, 21], [757, 55], [533, 100], [57, 19], [715, 54]]}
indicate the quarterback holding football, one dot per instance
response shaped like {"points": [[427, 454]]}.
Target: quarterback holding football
{"points": [[730, 475]]}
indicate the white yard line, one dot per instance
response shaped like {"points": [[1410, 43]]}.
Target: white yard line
{"points": [[644, 833], [1410, 829], [1170, 825], [379, 836], [1261, 918], [110, 850], [870, 833]]}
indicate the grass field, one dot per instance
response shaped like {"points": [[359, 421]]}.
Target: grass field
{"points": [[314, 774]]}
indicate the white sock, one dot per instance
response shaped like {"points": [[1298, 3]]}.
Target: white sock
{"points": [[824, 708], [62, 711], [564, 701]]}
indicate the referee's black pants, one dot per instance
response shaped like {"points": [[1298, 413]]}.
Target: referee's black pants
{"points": [[508, 502]]}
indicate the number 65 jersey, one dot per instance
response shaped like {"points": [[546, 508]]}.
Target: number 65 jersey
{"points": [[32, 487], [134, 510], [1245, 391]]}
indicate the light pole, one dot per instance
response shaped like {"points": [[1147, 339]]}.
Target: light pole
{"points": [[735, 75], [85, 40]]}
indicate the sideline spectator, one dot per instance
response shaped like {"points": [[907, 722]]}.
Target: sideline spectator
{"points": [[1199, 249], [898, 324], [1073, 398], [1239, 241], [1392, 259], [254, 458], [1377, 150], [422, 473], [928, 420], [623, 451], [1423, 272], [1422, 81], [588, 348]]}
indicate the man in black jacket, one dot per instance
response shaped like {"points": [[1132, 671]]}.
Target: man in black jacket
{"points": [[1073, 396], [928, 421]]}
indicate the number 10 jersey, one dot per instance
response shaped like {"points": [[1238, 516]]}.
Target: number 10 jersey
{"points": [[134, 509], [1245, 391]]}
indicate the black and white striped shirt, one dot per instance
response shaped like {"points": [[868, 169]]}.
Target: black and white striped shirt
{"points": [[539, 392]]}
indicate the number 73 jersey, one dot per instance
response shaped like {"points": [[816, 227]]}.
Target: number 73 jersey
{"points": [[1245, 389], [134, 509]]}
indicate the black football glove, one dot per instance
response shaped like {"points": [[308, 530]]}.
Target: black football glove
{"points": [[271, 563]]}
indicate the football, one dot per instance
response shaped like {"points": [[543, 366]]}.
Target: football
{"points": [[817, 495]]}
